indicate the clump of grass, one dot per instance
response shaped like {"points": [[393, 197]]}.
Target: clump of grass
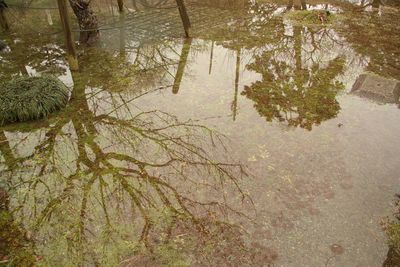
{"points": [[310, 17], [31, 98]]}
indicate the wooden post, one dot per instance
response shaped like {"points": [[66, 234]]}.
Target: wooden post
{"points": [[182, 65], [235, 100], [69, 40], [122, 35], [184, 16], [211, 58], [121, 5]]}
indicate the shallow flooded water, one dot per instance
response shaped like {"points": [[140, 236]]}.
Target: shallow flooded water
{"points": [[245, 145]]}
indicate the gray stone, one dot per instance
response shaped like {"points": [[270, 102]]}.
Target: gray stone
{"points": [[377, 88]]}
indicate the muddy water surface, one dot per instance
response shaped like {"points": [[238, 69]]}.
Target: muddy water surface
{"points": [[243, 146]]}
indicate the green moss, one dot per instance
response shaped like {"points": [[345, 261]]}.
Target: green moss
{"points": [[311, 17], [170, 255], [393, 236], [30, 98], [393, 233], [14, 247]]}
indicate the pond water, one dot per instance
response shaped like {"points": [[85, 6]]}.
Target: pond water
{"points": [[242, 146]]}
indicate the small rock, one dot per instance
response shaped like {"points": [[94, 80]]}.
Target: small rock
{"points": [[337, 249], [377, 88]]}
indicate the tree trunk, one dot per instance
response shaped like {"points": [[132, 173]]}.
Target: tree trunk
{"points": [[3, 19], [121, 5], [69, 40], [182, 65], [88, 23], [184, 16]]}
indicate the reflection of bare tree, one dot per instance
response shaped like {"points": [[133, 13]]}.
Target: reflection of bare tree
{"points": [[384, 57], [182, 64], [14, 241], [104, 174], [297, 87], [42, 56]]}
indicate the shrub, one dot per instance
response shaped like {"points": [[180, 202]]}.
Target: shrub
{"points": [[30, 98]]}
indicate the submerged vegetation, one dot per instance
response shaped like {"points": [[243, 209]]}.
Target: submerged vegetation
{"points": [[30, 98]]}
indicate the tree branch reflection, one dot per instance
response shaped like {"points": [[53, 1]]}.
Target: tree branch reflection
{"points": [[104, 174]]}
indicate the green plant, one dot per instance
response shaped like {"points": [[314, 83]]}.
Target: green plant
{"points": [[30, 98]]}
